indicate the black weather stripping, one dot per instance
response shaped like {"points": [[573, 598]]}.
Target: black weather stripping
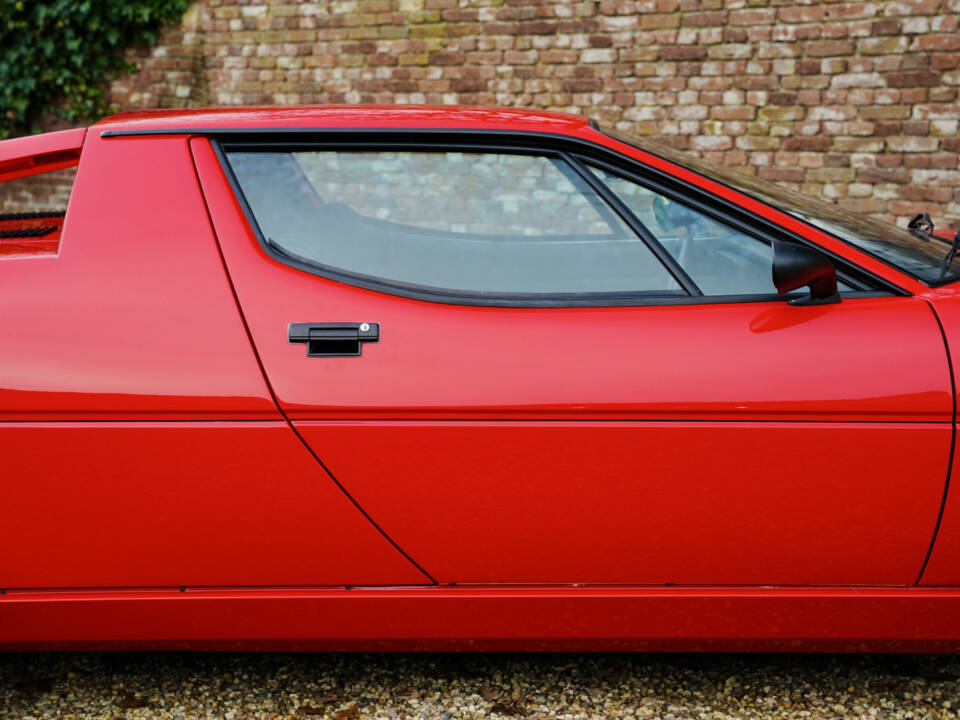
{"points": [[32, 215], [33, 232]]}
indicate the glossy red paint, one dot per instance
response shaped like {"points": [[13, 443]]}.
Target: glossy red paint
{"points": [[632, 502], [577, 500], [30, 247], [201, 503], [740, 443], [134, 318], [348, 116], [943, 567], [734, 361], [489, 618], [445, 117], [33, 154]]}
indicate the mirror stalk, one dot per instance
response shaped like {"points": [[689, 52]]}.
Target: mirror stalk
{"points": [[796, 266]]}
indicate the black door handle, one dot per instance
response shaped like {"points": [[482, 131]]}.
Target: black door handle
{"points": [[333, 339]]}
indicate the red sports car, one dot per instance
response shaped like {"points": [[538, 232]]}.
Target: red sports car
{"points": [[466, 378]]}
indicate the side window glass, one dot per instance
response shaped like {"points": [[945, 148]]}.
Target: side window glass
{"points": [[474, 223], [718, 258]]}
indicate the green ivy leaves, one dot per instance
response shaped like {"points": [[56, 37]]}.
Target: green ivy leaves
{"points": [[56, 55]]}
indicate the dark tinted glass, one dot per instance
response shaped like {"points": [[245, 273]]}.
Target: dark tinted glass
{"points": [[892, 244]]}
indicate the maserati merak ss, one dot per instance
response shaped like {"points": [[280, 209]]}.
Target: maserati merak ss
{"points": [[463, 378]]}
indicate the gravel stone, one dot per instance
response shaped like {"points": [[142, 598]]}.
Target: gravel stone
{"points": [[195, 686]]}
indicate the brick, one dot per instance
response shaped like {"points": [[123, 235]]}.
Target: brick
{"points": [[795, 175], [913, 144], [915, 61], [521, 57], [916, 127], [901, 207], [733, 112], [583, 85], [753, 17], [802, 14], [683, 52], [818, 144], [832, 112], [858, 144], [882, 45], [885, 112], [937, 42], [659, 21], [944, 61], [595, 55], [914, 79], [447, 58], [829, 48], [885, 128], [836, 160], [857, 80], [921, 193], [911, 7], [881, 175], [704, 19], [851, 11], [711, 142]]}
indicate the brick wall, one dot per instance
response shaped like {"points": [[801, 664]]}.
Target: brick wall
{"points": [[47, 192], [853, 101]]}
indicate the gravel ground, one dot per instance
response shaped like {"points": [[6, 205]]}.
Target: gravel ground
{"points": [[348, 687]]}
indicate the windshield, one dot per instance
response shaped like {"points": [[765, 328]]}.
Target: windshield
{"points": [[894, 245]]}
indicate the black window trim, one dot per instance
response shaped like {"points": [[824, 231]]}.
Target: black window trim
{"points": [[858, 248], [575, 151], [447, 296], [737, 221], [630, 217]]}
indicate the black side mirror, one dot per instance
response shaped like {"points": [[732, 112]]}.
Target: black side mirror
{"points": [[795, 266]]}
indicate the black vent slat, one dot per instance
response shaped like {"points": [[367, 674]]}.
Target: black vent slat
{"points": [[33, 215], [27, 232]]}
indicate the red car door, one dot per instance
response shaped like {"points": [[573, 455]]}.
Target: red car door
{"points": [[557, 427], [139, 443]]}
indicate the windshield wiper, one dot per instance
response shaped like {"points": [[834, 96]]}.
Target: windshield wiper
{"points": [[953, 251], [922, 226]]}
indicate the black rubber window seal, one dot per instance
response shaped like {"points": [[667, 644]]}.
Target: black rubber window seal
{"points": [[578, 151]]}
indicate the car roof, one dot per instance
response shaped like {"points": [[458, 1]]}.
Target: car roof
{"points": [[346, 116]]}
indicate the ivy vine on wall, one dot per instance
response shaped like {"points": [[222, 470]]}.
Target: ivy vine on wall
{"points": [[57, 55]]}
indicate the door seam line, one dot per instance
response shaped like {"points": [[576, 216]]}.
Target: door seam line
{"points": [[266, 379], [953, 445]]}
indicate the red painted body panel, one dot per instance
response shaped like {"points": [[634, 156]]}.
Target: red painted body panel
{"points": [[478, 618], [943, 567], [560, 502], [33, 154], [743, 361], [739, 443], [134, 319], [15, 247], [445, 117], [348, 116], [43, 144], [202, 503], [626, 502]]}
